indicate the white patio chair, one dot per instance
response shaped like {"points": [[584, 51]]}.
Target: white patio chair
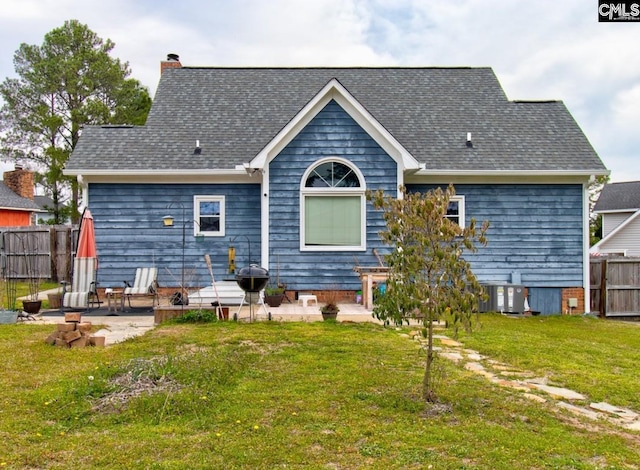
{"points": [[144, 285], [83, 293]]}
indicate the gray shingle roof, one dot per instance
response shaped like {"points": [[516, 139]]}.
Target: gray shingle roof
{"points": [[235, 112], [43, 202], [619, 196], [10, 200]]}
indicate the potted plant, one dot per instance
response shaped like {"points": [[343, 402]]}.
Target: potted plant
{"points": [[273, 295], [32, 304], [330, 309]]}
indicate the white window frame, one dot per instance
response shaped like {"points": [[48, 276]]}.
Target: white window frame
{"points": [[461, 210], [333, 191], [196, 215]]}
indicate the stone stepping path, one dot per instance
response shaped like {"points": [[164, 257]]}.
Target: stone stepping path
{"points": [[534, 388]]}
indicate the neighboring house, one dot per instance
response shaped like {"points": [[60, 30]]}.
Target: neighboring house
{"points": [[619, 206], [17, 207], [282, 157], [45, 203]]}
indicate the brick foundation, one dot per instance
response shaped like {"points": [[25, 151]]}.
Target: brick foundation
{"points": [[575, 293]]}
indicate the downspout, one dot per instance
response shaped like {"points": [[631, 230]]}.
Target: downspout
{"points": [[84, 187], [586, 265]]}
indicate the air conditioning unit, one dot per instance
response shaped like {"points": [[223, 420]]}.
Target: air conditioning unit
{"points": [[503, 298]]}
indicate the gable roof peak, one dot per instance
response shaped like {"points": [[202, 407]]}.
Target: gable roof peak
{"points": [[334, 90]]}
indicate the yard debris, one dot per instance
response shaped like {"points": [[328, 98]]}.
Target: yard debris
{"points": [[74, 333], [24, 316], [140, 377]]}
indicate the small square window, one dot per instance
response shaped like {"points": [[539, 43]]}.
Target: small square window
{"points": [[209, 215], [455, 211]]}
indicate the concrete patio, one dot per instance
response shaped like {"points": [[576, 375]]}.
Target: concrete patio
{"points": [[122, 325]]}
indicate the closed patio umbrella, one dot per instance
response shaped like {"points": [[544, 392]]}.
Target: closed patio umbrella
{"points": [[83, 294], [86, 237]]}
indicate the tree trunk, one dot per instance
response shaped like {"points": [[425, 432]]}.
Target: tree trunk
{"points": [[427, 390]]}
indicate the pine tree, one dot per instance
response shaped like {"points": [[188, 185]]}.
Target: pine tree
{"points": [[64, 84]]}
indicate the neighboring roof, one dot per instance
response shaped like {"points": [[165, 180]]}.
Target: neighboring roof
{"points": [[10, 200], [43, 202], [619, 196], [236, 112]]}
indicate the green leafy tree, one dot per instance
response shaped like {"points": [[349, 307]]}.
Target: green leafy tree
{"points": [[429, 279], [64, 84]]}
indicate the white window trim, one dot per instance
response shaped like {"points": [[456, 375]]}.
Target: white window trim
{"points": [[304, 192], [196, 215], [461, 209]]}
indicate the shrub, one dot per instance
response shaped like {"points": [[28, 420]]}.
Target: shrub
{"points": [[197, 316]]}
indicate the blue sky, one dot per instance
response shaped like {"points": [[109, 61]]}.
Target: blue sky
{"points": [[541, 49]]}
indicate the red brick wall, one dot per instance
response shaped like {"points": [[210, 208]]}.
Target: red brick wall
{"points": [[169, 64], [20, 182], [573, 292]]}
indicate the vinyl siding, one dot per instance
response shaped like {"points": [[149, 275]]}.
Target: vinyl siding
{"points": [[611, 220], [627, 240], [331, 133], [536, 231], [14, 218], [130, 232]]}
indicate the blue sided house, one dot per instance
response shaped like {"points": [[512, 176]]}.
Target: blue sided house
{"points": [[276, 161]]}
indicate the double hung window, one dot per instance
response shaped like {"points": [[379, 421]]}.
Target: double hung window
{"points": [[209, 215], [455, 211]]}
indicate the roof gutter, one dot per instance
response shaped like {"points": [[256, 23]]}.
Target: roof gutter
{"points": [[137, 172], [428, 172], [21, 209]]}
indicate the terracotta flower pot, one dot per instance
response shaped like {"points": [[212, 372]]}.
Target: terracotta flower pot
{"points": [[55, 300]]}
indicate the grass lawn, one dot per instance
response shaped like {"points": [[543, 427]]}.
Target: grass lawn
{"points": [[312, 395], [22, 290]]}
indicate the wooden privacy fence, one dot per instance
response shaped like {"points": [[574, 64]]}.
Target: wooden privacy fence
{"points": [[615, 286], [45, 250]]}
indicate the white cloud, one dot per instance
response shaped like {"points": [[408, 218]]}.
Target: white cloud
{"points": [[539, 50]]}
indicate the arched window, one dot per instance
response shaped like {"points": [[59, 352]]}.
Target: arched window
{"points": [[332, 207]]}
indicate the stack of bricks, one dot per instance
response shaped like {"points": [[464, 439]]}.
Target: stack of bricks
{"points": [[74, 333]]}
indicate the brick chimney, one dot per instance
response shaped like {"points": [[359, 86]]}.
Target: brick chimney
{"points": [[172, 62], [20, 181]]}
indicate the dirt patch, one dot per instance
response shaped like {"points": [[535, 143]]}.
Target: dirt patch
{"points": [[174, 330], [141, 377], [437, 409]]}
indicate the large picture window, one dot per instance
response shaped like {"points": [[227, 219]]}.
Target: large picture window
{"points": [[209, 215], [332, 208]]}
